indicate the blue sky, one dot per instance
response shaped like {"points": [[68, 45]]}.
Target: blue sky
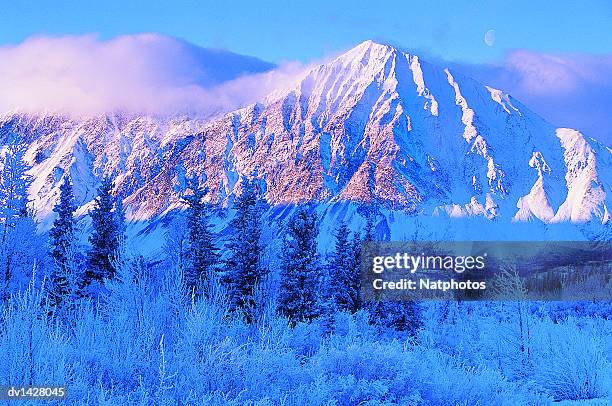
{"points": [[277, 30]]}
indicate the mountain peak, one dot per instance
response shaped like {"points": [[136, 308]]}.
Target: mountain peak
{"points": [[358, 64], [368, 47], [371, 43]]}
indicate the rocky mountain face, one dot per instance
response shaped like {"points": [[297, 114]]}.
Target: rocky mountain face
{"points": [[375, 125]]}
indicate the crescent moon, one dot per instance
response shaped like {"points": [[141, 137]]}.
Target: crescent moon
{"points": [[489, 38]]}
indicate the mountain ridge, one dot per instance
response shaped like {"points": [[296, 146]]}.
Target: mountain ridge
{"points": [[376, 125]]}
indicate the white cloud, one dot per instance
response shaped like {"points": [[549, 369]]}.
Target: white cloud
{"points": [[558, 74], [146, 73], [569, 90]]}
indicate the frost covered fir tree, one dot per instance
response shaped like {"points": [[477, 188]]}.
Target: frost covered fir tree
{"points": [[343, 271], [14, 184], [202, 254], [244, 266], [300, 268], [106, 237], [62, 246], [18, 238]]}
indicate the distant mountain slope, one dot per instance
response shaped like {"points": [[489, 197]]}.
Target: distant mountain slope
{"points": [[375, 125]]}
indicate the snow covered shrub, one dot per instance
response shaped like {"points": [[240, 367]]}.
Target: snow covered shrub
{"points": [[570, 360], [144, 341], [32, 347], [443, 380]]}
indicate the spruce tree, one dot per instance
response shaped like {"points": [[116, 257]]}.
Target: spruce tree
{"points": [[244, 267], [106, 237], [343, 270], [202, 254], [62, 245], [300, 268], [17, 225], [14, 184]]}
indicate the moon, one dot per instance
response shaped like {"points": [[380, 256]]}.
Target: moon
{"points": [[489, 38]]}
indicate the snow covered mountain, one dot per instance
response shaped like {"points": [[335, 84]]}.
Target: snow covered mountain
{"points": [[375, 125]]}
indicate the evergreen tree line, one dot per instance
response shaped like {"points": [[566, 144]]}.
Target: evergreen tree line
{"points": [[108, 233], [310, 286], [21, 247]]}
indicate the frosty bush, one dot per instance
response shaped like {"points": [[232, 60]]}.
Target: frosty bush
{"points": [[570, 360], [143, 344]]}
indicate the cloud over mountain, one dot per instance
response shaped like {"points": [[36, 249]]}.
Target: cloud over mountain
{"points": [[569, 90], [157, 74], [146, 73]]}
